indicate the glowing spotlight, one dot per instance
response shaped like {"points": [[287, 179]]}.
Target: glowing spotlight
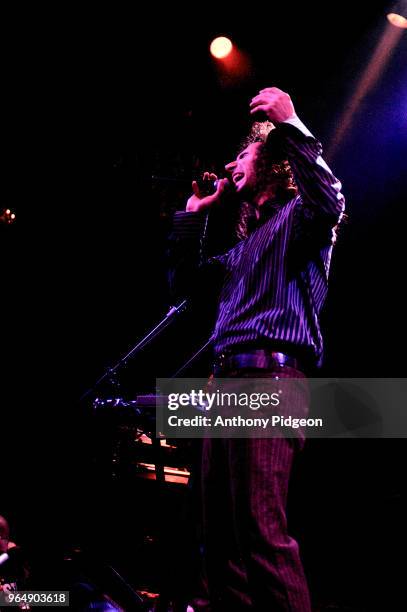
{"points": [[397, 20], [367, 81], [221, 47]]}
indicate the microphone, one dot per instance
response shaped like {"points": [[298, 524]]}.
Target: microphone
{"points": [[208, 187]]}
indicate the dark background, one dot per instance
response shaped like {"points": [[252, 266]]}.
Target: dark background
{"points": [[94, 105]]}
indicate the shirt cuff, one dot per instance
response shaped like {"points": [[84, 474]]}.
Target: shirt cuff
{"points": [[189, 224], [296, 122]]}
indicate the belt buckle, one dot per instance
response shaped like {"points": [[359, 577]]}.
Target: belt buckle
{"points": [[280, 358], [220, 360]]}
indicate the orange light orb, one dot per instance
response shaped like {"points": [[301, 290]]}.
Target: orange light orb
{"points": [[397, 20], [221, 47]]}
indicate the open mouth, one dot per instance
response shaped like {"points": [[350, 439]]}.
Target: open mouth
{"points": [[237, 177]]}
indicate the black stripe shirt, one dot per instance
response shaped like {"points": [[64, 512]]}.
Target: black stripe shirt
{"points": [[275, 281]]}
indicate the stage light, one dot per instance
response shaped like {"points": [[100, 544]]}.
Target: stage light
{"points": [[221, 47], [397, 20], [369, 78]]}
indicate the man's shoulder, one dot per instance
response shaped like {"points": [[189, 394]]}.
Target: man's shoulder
{"points": [[283, 210]]}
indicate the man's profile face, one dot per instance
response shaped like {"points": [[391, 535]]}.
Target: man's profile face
{"points": [[242, 169]]}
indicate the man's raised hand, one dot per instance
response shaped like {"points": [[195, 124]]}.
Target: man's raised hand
{"points": [[275, 103]]}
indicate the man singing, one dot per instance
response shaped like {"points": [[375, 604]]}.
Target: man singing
{"points": [[274, 284]]}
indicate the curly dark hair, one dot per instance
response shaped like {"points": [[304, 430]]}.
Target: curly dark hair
{"points": [[271, 171]]}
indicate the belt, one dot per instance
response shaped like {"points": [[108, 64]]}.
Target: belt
{"points": [[256, 359]]}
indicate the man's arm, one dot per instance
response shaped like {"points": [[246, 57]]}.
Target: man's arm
{"points": [[185, 251], [322, 199], [187, 254], [319, 189]]}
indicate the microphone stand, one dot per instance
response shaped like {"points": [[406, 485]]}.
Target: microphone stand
{"points": [[159, 469], [195, 356], [163, 324], [110, 373]]}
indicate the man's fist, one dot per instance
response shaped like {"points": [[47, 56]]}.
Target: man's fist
{"points": [[276, 104]]}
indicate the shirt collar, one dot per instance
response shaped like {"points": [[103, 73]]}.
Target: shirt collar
{"points": [[268, 209]]}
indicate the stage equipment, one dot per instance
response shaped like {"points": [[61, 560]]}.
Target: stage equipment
{"points": [[111, 372]]}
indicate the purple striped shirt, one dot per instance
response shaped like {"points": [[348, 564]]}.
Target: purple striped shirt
{"points": [[275, 282]]}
